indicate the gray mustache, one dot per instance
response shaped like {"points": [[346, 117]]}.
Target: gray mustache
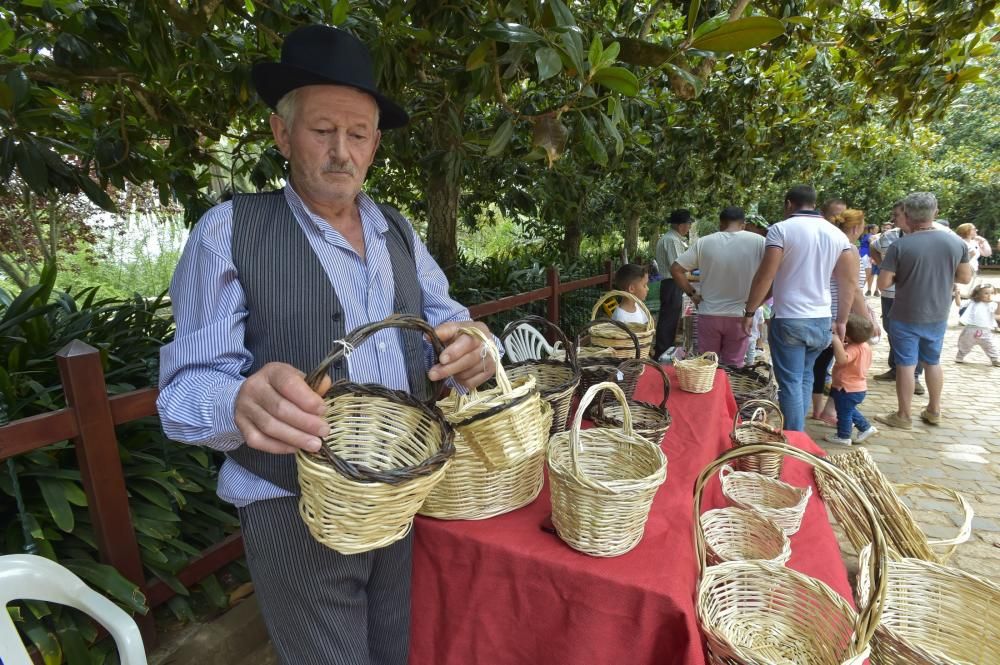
{"points": [[347, 168]]}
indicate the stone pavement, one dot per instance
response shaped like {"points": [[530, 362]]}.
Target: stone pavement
{"points": [[962, 453]]}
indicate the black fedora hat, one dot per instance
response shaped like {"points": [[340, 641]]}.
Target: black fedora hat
{"points": [[323, 55]]}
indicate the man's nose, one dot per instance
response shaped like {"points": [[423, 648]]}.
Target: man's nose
{"points": [[337, 144]]}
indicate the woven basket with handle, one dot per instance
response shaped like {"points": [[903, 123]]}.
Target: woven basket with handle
{"points": [[752, 382], [599, 368], [757, 612], [385, 452], [697, 375], [758, 430], [649, 420], [611, 337], [556, 380], [780, 502], [735, 534], [603, 482]]}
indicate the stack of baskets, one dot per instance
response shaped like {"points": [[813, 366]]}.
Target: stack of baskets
{"points": [[753, 382], [697, 375], [385, 453], [611, 337], [556, 380], [649, 420], [736, 534], [759, 430], [599, 368], [500, 441], [778, 501], [603, 482]]}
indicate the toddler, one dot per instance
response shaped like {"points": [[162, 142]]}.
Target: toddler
{"points": [[979, 319], [634, 279], [851, 363]]}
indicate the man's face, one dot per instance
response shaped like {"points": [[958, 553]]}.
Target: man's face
{"points": [[683, 229], [834, 211], [898, 218], [330, 144]]}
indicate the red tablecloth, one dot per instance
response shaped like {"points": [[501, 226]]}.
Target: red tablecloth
{"points": [[504, 592]]}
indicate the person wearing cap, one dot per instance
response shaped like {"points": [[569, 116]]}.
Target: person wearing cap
{"points": [[265, 285], [671, 245]]}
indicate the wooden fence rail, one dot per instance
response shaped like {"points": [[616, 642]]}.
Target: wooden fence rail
{"points": [[89, 420]]}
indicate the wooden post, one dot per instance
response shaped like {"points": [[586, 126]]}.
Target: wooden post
{"points": [[552, 281], [100, 467], [609, 266]]}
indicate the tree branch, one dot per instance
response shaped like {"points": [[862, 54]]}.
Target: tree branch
{"points": [[647, 23], [739, 7], [11, 270]]}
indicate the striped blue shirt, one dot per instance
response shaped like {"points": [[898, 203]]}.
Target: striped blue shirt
{"points": [[201, 369]]}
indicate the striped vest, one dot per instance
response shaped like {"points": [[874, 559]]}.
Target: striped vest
{"points": [[294, 314]]}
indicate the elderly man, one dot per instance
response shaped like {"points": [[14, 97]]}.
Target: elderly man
{"points": [[923, 266], [671, 245], [265, 285]]}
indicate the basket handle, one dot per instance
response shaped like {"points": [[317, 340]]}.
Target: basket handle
{"points": [[490, 348], [764, 405], [631, 335], [768, 370], [619, 294], [633, 362], [344, 347], [576, 446], [964, 532], [871, 614], [535, 320]]}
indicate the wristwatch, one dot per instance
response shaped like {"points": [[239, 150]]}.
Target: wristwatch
{"points": [[749, 313]]}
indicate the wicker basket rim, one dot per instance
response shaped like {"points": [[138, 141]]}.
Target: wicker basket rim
{"points": [[549, 364], [615, 293], [591, 324]]}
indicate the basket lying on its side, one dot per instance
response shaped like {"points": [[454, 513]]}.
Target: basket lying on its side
{"points": [[556, 380], [499, 424], [385, 452], [758, 430], [598, 368], [934, 615], [603, 482], [612, 337], [697, 375], [648, 420], [735, 534], [757, 612], [751, 382], [904, 535], [780, 502]]}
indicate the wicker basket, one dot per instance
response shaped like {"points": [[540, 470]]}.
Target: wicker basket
{"points": [[752, 382], [904, 535], [758, 430], [612, 337], [499, 424], [697, 375], [779, 502], [471, 491], [603, 482], [600, 368], [934, 615], [649, 420], [385, 452], [556, 380], [735, 534], [757, 612]]}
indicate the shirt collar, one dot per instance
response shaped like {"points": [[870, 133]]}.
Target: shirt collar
{"points": [[371, 215], [807, 213]]}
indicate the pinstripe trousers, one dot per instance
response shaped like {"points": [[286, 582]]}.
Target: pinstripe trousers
{"points": [[322, 607]]}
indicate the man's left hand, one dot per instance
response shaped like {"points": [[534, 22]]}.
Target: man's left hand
{"points": [[462, 357]]}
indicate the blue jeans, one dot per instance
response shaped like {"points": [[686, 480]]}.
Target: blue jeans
{"points": [[795, 343], [848, 415]]}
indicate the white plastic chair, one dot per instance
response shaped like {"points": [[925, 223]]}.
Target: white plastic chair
{"points": [[526, 343], [29, 577]]}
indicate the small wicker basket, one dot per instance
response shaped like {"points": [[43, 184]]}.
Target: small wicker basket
{"points": [[649, 420], [499, 424], [752, 382], [385, 453], [603, 482], [697, 375], [556, 380], [735, 534], [757, 612], [934, 615], [599, 368], [611, 336], [758, 430], [779, 502]]}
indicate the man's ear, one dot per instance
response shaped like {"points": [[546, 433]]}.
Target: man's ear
{"points": [[280, 132]]}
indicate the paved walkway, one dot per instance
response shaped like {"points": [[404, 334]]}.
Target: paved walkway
{"points": [[963, 453]]}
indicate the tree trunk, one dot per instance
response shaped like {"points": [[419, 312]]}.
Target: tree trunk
{"points": [[632, 235], [572, 238], [444, 186]]}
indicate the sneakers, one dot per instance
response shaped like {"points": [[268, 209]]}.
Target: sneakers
{"points": [[918, 388], [868, 433], [895, 420], [833, 438], [886, 376], [961, 360], [930, 418]]}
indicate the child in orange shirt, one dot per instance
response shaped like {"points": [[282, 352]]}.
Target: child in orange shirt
{"points": [[849, 384]]}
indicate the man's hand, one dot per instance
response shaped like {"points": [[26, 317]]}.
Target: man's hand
{"points": [[840, 329], [747, 325], [462, 357], [278, 413], [696, 299]]}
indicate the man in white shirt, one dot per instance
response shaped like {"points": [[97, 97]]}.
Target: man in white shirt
{"points": [[670, 246], [800, 256], [727, 261]]}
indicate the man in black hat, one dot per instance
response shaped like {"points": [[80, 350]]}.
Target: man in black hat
{"points": [[267, 282], [671, 245]]}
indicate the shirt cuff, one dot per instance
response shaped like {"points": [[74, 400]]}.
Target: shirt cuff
{"points": [[227, 434]]}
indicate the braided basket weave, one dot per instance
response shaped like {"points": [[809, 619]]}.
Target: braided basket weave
{"points": [[649, 420], [697, 375], [780, 502], [612, 337], [601, 368], [758, 430], [752, 382]]}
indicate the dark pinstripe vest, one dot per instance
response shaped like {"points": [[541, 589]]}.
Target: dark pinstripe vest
{"points": [[294, 314]]}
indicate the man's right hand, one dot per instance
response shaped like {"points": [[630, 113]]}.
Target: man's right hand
{"points": [[277, 411], [747, 325]]}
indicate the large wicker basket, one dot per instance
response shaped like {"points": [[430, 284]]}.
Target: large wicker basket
{"points": [[758, 430], [752, 382], [649, 420], [756, 612], [471, 491], [603, 482], [556, 380], [385, 453], [599, 368], [779, 502], [735, 534], [934, 615], [697, 375], [904, 535], [499, 424], [611, 336]]}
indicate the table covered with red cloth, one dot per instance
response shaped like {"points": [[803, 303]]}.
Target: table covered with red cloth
{"points": [[503, 591]]}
